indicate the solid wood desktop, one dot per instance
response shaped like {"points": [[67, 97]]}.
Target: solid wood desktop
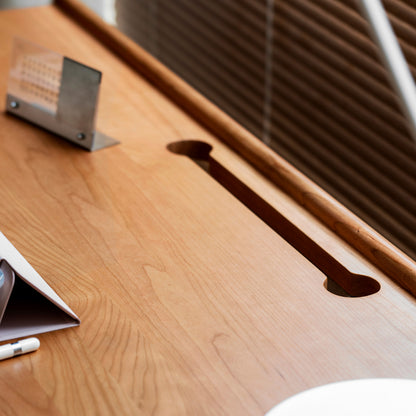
{"points": [[189, 303]]}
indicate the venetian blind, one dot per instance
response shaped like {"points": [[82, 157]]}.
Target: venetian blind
{"points": [[305, 77]]}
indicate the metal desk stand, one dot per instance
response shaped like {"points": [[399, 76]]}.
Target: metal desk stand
{"points": [[56, 93]]}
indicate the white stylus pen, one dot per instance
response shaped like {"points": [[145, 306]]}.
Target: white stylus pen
{"points": [[18, 348]]}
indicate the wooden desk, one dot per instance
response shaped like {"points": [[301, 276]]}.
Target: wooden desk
{"points": [[190, 304]]}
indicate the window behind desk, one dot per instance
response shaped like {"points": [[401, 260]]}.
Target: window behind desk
{"points": [[304, 77]]}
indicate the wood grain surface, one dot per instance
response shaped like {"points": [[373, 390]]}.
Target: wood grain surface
{"points": [[334, 215], [190, 304]]}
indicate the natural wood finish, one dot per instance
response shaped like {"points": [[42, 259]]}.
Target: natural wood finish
{"points": [[372, 245], [189, 303], [325, 258]]}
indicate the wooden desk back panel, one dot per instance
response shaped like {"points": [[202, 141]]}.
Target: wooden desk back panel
{"points": [[189, 303]]}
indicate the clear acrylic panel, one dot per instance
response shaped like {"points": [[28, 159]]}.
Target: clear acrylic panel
{"points": [[35, 75]]}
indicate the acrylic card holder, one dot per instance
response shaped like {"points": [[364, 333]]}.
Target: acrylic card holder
{"points": [[56, 93]]}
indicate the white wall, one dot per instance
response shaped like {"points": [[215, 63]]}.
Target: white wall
{"points": [[104, 8]]}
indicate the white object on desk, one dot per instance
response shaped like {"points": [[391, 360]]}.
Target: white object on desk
{"points": [[381, 397], [18, 348]]}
